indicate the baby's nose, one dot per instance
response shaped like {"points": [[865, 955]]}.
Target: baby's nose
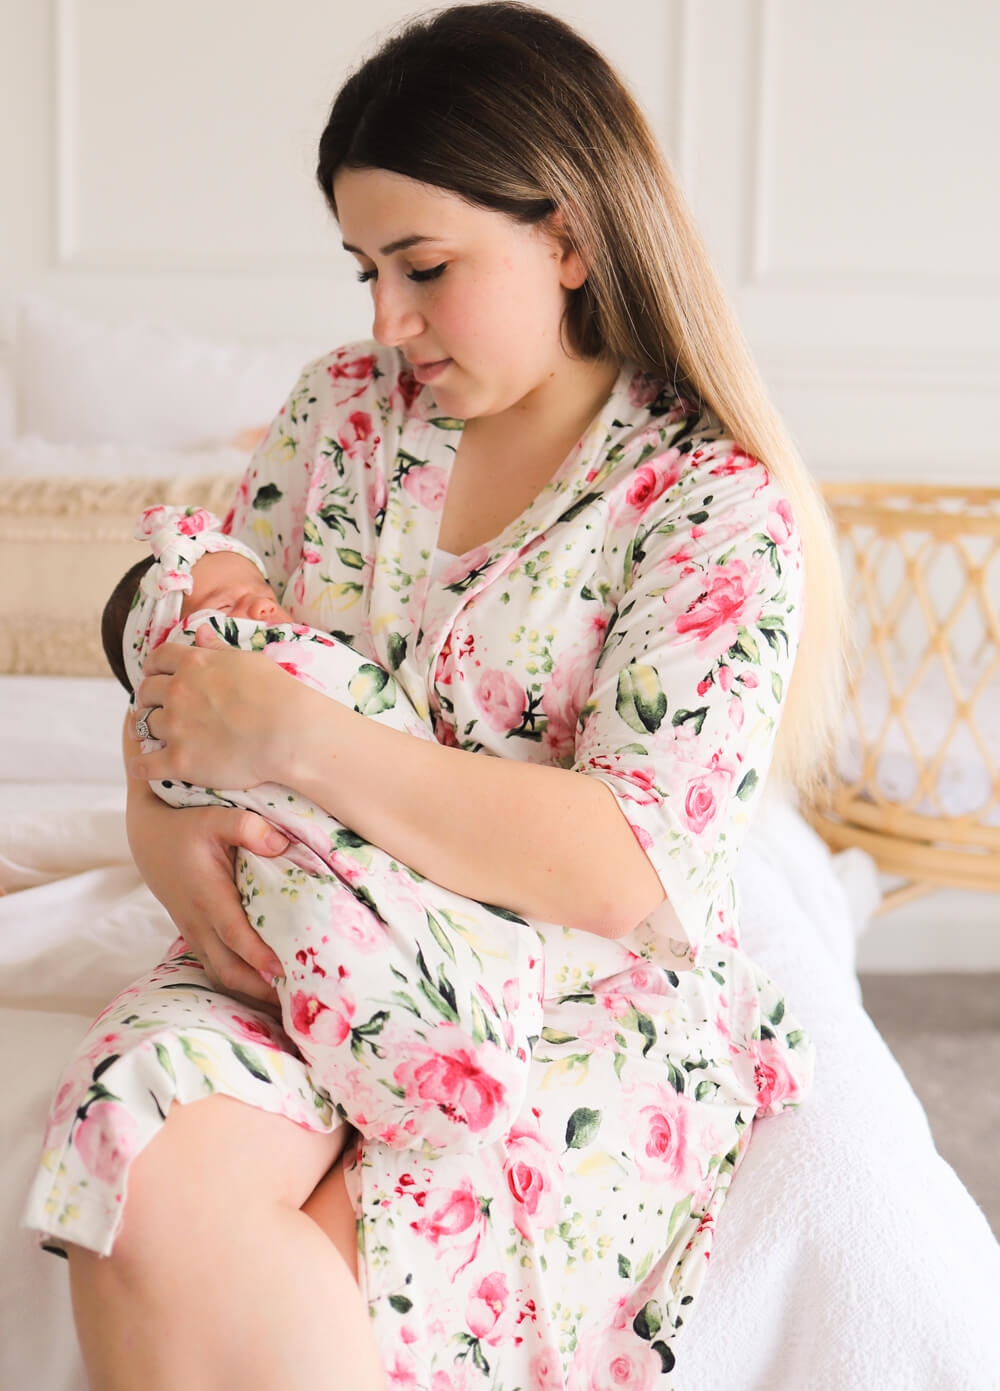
{"points": [[261, 607]]}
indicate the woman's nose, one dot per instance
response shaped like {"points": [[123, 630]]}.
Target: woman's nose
{"points": [[396, 319]]}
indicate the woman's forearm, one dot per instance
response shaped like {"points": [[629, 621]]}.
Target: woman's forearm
{"points": [[545, 842]]}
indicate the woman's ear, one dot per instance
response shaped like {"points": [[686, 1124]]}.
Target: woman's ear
{"points": [[573, 268]]}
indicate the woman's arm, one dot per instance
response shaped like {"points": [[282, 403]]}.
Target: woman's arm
{"points": [[186, 859], [545, 842]]}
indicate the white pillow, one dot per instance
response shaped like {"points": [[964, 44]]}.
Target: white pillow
{"points": [[31, 456], [80, 381]]}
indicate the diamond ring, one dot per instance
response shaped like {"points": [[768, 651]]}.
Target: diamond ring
{"points": [[142, 729]]}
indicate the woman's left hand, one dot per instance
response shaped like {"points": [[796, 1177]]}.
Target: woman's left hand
{"points": [[216, 710]]}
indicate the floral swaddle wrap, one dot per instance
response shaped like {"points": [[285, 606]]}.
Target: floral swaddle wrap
{"points": [[414, 1009]]}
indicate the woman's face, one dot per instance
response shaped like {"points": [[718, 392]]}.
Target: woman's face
{"points": [[473, 299]]}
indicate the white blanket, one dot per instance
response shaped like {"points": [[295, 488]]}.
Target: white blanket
{"points": [[849, 1256]]}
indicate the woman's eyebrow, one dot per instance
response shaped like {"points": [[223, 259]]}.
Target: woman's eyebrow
{"points": [[403, 244]]}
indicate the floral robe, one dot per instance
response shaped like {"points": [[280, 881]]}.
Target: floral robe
{"points": [[638, 624]]}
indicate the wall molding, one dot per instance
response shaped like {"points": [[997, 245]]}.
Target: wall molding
{"points": [[878, 370], [71, 249], [762, 268]]}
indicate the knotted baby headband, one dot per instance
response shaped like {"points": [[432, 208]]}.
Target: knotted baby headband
{"points": [[178, 538]]}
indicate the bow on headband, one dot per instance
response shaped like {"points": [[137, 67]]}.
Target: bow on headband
{"points": [[178, 538]]}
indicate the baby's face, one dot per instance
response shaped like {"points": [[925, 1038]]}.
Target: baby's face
{"points": [[231, 584]]}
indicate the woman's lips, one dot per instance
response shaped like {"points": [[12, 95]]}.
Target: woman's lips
{"points": [[429, 371]]}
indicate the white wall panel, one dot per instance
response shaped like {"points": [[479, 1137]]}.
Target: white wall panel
{"points": [[844, 176]]}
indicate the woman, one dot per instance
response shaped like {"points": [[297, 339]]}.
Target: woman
{"points": [[536, 500]]}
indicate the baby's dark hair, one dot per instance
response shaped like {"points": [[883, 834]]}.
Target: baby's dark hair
{"points": [[116, 612]]}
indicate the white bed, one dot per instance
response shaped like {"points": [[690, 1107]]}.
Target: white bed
{"points": [[849, 1255]]}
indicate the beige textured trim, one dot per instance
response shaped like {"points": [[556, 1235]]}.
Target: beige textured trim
{"points": [[64, 544]]}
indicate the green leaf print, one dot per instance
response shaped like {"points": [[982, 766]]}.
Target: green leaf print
{"points": [[353, 559], [396, 648], [443, 1006], [746, 645], [697, 716], [582, 1127], [747, 785], [681, 1210], [266, 497], [163, 1058], [648, 1321], [778, 1013], [667, 1359], [676, 1076], [554, 1036], [777, 686], [624, 1267], [447, 422], [504, 913], [400, 1303], [641, 702], [705, 1089], [250, 1061], [795, 1038], [439, 935], [311, 532], [372, 689], [647, 1028]]}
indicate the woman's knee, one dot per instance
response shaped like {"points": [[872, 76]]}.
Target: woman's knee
{"points": [[211, 1163]]}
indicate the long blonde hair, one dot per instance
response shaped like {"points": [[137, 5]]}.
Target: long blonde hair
{"points": [[511, 109]]}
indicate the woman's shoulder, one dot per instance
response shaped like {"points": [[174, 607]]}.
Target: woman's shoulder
{"points": [[673, 462]]}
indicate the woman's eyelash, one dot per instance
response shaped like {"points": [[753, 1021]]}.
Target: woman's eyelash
{"points": [[431, 274], [419, 275]]}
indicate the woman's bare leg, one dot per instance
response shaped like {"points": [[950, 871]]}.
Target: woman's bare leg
{"points": [[218, 1278]]}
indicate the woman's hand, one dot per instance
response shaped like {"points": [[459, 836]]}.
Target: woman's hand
{"points": [[217, 711], [186, 857]]}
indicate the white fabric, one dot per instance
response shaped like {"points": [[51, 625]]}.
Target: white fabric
{"points": [[31, 456], [83, 381], [61, 729], [849, 1255]]}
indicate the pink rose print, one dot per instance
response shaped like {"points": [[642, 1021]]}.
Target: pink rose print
{"points": [[349, 918], [453, 1222], [501, 700], [614, 1360], [427, 485], [464, 565], [651, 480], [774, 1082], [107, 1140], [376, 494], [533, 1175], [456, 1082], [781, 526], [707, 793], [405, 392], [660, 1137], [346, 371], [486, 1307], [734, 463], [567, 691], [546, 1372], [356, 435], [313, 1019], [193, 522], [643, 389], [728, 603]]}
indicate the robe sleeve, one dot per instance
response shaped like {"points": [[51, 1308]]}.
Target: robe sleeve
{"points": [[681, 720]]}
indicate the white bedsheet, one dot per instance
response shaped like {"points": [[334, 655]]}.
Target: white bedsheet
{"points": [[849, 1256]]}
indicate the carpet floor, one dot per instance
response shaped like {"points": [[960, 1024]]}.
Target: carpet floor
{"points": [[944, 1031]]}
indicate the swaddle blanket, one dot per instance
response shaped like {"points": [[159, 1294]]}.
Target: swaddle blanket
{"points": [[444, 1055]]}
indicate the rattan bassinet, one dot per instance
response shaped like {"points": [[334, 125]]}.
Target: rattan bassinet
{"points": [[917, 781]]}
